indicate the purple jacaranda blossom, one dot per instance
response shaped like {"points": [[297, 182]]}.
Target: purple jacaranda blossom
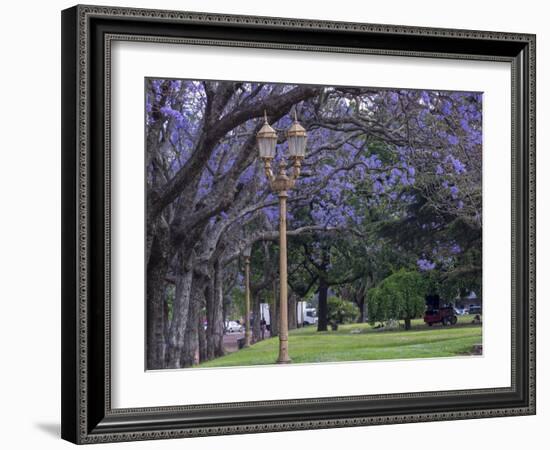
{"points": [[248, 174], [174, 136], [395, 172], [425, 265], [271, 213], [460, 204], [175, 115], [454, 191], [458, 165], [373, 162], [465, 125], [425, 97], [319, 216], [452, 139], [175, 84], [378, 187], [439, 170], [455, 249]]}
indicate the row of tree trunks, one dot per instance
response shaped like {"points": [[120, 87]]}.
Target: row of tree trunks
{"points": [[183, 340]]}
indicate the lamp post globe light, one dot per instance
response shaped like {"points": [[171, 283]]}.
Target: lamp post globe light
{"points": [[281, 183], [246, 254], [297, 138]]}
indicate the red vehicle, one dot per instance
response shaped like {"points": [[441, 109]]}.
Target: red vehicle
{"points": [[437, 312]]}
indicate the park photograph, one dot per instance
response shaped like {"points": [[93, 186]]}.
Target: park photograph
{"points": [[310, 224]]}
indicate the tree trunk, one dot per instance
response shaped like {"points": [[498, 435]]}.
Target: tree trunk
{"points": [[203, 347], [190, 354], [292, 321], [323, 310], [156, 273], [407, 324], [214, 305], [165, 311], [180, 312], [361, 305]]}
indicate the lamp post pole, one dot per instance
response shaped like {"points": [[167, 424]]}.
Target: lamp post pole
{"points": [[281, 184], [283, 290], [247, 301]]}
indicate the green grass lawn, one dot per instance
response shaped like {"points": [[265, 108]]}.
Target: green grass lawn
{"points": [[357, 342]]}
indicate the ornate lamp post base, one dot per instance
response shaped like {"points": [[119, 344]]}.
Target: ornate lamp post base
{"points": [[283, 358], [284, 361]]}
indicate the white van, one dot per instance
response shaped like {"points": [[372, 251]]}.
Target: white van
{"points": [[305, 314]]}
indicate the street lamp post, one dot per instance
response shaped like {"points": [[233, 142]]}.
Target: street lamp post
{"points": [[246, 254], [281, 183]]}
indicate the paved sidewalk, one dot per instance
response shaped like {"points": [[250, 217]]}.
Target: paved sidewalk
{"points": [[230, 341]]}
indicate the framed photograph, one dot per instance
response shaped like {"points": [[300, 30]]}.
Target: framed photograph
{"points": [[268, 222]]}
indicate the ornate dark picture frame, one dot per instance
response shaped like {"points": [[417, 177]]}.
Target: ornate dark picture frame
{"points": [[87, 34]]}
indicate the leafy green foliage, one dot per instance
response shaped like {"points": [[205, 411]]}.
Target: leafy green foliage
{"points": [[341, 311], [400, 296]]}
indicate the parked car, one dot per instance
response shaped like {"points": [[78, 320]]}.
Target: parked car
{"points": [[474, 309], [461, 311], [233, 327], [439, 312]]}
